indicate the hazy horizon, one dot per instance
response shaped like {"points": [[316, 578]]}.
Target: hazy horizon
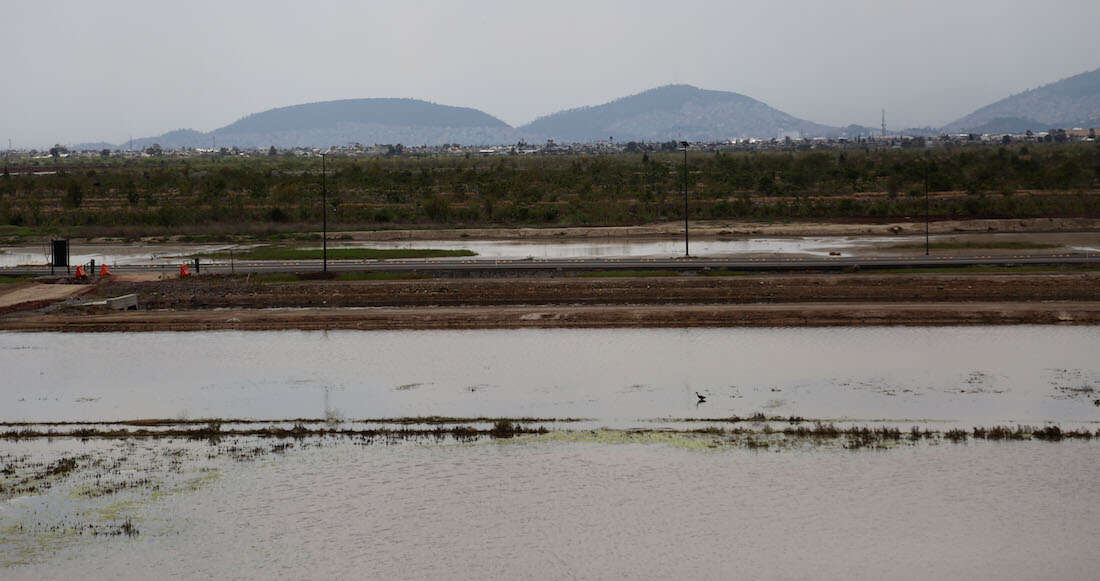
{"points": [[89, 72]]}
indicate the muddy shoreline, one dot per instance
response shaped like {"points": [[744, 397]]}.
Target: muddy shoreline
{"points": [[512, 317]]}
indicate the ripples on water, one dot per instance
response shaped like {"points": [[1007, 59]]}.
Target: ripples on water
{"points": [[576, 504], [546, 510], [970, 374]]}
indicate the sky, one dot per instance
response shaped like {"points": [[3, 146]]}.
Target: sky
{"points": [[79, 71]]}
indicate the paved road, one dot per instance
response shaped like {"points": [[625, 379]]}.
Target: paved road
{"points": [[456, 265]]}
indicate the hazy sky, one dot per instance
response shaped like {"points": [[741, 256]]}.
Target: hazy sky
{"points": [[82, 71]]}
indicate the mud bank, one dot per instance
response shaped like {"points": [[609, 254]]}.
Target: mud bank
{"points": [[770, 315], [239, 292]]}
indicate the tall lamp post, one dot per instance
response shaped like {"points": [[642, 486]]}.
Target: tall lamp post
{"points": [[324, 218], [926, 244], [684, 146]]}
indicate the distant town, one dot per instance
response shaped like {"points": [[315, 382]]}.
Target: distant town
{"points": [[786, 142]]}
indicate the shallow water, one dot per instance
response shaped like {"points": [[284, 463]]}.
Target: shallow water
{"points": [[574, 503], [615, 248], [542, 509], [511, 249], [112, 254], [622, 378]]}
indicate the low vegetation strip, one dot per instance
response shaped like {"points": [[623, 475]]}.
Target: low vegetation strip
{"points": [[220, 194], [853, 436], [283, 253]]}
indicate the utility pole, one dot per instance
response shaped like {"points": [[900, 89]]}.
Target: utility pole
{"points": [[324, 218], [926, 245], [684, 146]]}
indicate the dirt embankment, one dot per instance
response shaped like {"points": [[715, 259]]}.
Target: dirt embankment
{"points": [[512, 317], [30, 295], [218, 292], [206, 303]]}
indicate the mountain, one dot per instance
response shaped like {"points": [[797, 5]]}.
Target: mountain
{"points": [[367, 121], [1072, 102], [671, 112]]}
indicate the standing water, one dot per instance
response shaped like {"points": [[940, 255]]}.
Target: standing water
{"points": [[651, 498]]}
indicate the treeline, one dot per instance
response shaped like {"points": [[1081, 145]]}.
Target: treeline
{"points": [[1017, 181]]}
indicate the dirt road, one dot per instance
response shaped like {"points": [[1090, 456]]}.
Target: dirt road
{"points": [[33, 295]]}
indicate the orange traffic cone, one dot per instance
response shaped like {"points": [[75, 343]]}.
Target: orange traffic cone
{"points": [[184, 271], [80, 272], [104, 271]]}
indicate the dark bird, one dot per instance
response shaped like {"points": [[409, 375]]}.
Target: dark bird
{"points": [[702, 398]]}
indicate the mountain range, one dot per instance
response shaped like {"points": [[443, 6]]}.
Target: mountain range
{"points": [[1071, 102], [660, 114]]}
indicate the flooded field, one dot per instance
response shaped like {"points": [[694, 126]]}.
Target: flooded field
{"points": [[609, 248], [956, 452], [542, 508], [613, 248], [112, 254], [553, 249], [979, 375]]}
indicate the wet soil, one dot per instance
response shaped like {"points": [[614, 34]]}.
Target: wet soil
{"points": [[222, 302], [510, 317], [239, 292], [30, 295]]}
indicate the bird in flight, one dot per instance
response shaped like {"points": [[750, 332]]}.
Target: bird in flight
{"points": [[702, 398]]}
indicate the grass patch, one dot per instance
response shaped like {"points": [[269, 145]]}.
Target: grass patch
{"points": [[368, 275], [972, 245], [285, 253], [624, 273], [4, 279]]}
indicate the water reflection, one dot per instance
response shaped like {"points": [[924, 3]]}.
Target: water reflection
{"points": [[606, 248], [616, 248]]}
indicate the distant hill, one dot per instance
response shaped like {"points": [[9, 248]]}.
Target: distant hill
{"points": [[1072, 102], [669, 112], [367, 121]]}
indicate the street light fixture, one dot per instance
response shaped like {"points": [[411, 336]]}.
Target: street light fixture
{"points": [[684, 146]]}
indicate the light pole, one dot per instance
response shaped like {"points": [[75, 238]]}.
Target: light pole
{"points": [[684, 146], [926, 245], [324, 218]]}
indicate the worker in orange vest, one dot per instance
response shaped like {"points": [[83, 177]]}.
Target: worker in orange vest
{"points": [[80, 272], [184, 271], [104, 271]]}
